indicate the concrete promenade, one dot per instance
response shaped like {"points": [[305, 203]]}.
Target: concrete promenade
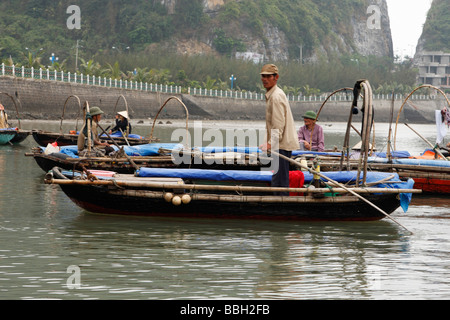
{"points": [[44, 99]]}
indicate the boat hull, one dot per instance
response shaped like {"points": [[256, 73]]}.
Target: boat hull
{"points": [[44, 138], [436, 186], [20, 136], [107, 200], [6, 137]]}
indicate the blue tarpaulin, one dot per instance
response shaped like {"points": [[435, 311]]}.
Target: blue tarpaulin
{"points": [[144, 150], [244, 175]]}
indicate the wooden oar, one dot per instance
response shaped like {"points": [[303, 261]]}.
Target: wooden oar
{"points": [[123, 135], [429, 143], [339, 185]]}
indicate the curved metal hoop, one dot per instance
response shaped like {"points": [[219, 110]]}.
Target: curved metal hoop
{"points": [[64, 111], [404, 102], [187, 118]]}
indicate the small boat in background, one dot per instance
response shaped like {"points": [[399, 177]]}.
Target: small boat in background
{"points": [[9, 134], [6, 136], [43, 138]]}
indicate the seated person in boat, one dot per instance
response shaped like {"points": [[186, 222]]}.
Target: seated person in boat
{"points": [[96, 115], [310, 136], [3, 118], [122, 123]]}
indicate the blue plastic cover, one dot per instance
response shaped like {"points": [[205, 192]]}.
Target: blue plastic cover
{"points": [[244, 175], [144, 150], [228, 149], [394, 154], [416, 162], [118, 134], [296, 153]]}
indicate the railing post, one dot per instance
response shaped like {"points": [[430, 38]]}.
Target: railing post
{"points": [[3, 69]]}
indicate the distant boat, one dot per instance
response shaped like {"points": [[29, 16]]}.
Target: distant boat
{"points": [[43, 137], [18, 135], [6, 136]]}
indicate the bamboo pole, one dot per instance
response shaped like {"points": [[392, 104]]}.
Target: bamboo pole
{"points": [[236, 198], [340, 185], [404, 102], [429, 143], [239, 189], [115, 143], [392, 166]]}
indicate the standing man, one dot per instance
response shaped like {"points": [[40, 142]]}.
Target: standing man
{"points": [[281, 133]]}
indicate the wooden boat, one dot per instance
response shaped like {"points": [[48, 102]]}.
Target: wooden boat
{"points": [[18, 134], [226, 194], [156, 155], [6, 136], [313, 195], [430, 170], [153, 155], [43, 137], [431, 176]]}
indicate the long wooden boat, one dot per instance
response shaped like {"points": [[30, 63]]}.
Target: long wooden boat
{"points": [[431, 176], [226, 194], [158, 156], [43, 137]]}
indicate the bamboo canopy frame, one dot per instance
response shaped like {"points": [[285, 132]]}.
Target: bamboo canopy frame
{"points": [[64, 111], [187, 146], [404, 102], [15, 105]]}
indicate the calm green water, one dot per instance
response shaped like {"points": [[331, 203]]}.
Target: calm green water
{"points": [[43, 236]]}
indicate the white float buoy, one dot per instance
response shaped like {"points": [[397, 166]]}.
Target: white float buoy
{"points": [[168, 197], [186, 199], [176, 200]]}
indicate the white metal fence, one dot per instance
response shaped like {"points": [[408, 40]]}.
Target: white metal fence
{"points": [[51, 75]]}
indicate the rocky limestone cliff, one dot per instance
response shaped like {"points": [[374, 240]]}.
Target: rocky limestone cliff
{"points": [[368, 32]]}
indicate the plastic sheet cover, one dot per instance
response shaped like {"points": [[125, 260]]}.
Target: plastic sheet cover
{"points": [[244, 175]]}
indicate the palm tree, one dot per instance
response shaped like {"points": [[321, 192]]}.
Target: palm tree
{"points": [[113, 71], [210, 83], [33, 61], [90, 67], [161, 76]]}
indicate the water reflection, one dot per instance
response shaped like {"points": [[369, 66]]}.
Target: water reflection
{"points": [[183, 258], [42, 233]]}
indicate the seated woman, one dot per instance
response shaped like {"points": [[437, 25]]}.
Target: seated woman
{"points": [[310, 136], [3, 118], [122, 123]]}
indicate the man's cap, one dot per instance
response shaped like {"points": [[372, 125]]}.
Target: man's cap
{"points": [[95, 111], [310, 115], [123, 114], [269, 69]]}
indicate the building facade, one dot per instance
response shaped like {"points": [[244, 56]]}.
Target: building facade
{"points": [[434, 69]]}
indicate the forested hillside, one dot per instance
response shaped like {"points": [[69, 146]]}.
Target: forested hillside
{"points": [[436, 31], [193, 42]]}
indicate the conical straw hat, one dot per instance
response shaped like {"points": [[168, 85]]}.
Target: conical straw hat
{"points": [[124, 114]]}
